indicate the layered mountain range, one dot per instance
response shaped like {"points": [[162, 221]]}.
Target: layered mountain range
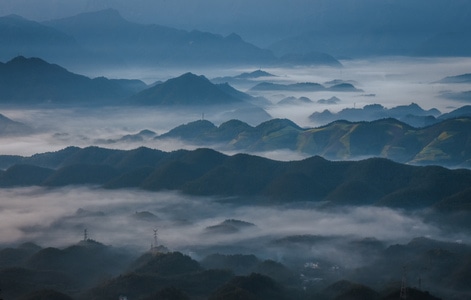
{"points": [[207, 172], [444, 143], [33, 81], [105, 38], [76, 272]]}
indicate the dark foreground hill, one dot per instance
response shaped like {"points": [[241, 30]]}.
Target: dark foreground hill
{"points": [[91, 270], [444, 143], [207, 172]]}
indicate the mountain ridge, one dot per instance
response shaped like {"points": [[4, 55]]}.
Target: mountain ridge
{"points": [[186, 89], [51, 83], [443, 143], [207, 172]]}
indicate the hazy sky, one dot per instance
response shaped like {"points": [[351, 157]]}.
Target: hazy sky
{"points": [[263, 21], [224, 17]]}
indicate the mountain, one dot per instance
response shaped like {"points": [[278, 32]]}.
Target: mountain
{"points": [[49, 273], [378, 28], [464, 78], [361, 42], [229, 226], [331, 100], [243, 78], [411, 114], [295, 101], [272, 134], [161, 276], [297, 87], [305, 87], [454, 43], [254, 74], [108, 34], [19, 36], [35, 81], [444, 142], [187, 90], [91, 270], [253, 286], [464, 111], [309, 59], [9, 127], [459, 96], [207, 172], [24, 175], [101, 260], [46, 294], [392, 139]]}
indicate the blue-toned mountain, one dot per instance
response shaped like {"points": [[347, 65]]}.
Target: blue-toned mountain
{"points": [[35, 81], [108, 34], [189, 90]]}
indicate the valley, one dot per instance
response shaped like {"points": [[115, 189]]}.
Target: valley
{"points": [[247, 150]]}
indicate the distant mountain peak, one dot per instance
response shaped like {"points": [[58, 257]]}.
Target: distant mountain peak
{"points": [[234, 37], [108, 13], [14, 17], [20, 59], [187, 89], [254, 74], [191, 76], [107, 18]]}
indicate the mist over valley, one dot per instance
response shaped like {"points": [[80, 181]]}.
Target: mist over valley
{"points": [[245, 150]]}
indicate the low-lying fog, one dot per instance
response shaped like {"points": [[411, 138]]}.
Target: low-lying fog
{"points": [[127, 218], [390, 82]]}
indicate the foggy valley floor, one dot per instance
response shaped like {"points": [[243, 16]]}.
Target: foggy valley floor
{"points": [[311, 250], [305, 248], [175, 150]]}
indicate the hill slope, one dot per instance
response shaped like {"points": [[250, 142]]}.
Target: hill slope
{"points": [[444, 143], [107, 33], [187, 89], [33, 81], [29, 38], [207, 172]]}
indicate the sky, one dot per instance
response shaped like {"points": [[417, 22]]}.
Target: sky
{"points": [[223, 17], [261, 21]]}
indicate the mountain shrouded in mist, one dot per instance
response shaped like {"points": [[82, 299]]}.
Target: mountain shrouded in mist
{"points": [[9, 127], [19, 36], [445, 142], [207, 172], [35, 81], [187, 89], [109, 35], [105, 38]]}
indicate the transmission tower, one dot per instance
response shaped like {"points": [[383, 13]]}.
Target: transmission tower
{"points": [[403, 293], [154, 246], [85, 235]]}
